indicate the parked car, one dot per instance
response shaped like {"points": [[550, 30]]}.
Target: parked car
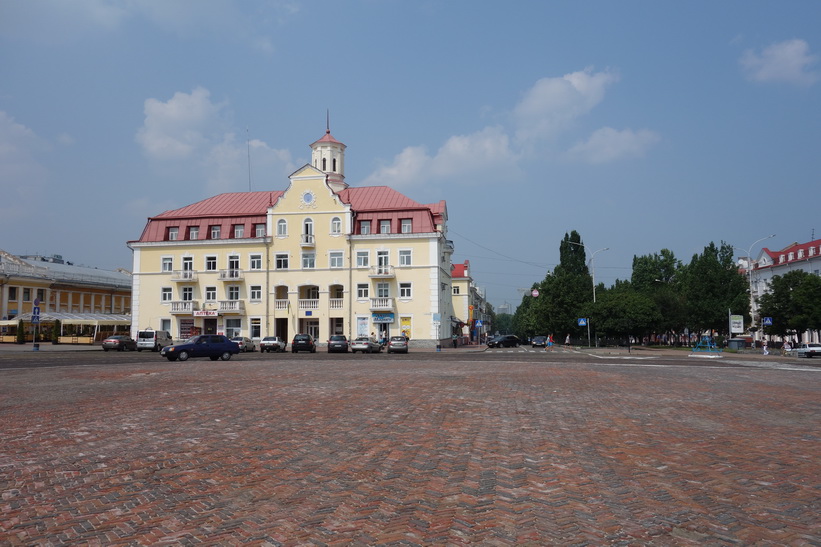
{"points": [[303, 342], [155, 340], [272, 343], [365, 344], [338, 343], [214, 346], [120, 342], [398, 344], [538, 342], [808, 350], [244, 343], [504, 341]]}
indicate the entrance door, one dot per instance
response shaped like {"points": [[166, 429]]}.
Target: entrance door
{"points": [[209, 326]]}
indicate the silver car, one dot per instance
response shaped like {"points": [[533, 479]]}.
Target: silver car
{"points": [[365, 344], [244, 343]]}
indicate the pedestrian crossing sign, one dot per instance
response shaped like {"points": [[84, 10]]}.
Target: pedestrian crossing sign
{"points": [[582, 322]]}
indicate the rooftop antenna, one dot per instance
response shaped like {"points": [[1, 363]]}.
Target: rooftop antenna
{"points": [[328, 120], [248, 144]]}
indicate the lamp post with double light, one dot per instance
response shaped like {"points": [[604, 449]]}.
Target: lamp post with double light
{"points": [[750, 279]]}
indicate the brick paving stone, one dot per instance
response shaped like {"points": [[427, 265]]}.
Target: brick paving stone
{"points": [[458, 452]]}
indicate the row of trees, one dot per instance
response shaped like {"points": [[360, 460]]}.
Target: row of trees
{"points": [[663, 296]]}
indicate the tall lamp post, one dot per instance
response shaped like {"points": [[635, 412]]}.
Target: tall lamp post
{"points": [[593, 270], [750, 275]]}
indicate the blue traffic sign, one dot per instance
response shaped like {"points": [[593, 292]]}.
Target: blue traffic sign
{"points": [[768, 321], [582, 322]]}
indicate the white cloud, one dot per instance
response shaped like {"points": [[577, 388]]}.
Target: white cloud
{"points": [[178, 128], [608, 144], [459, 159], [22, 176], [190, 134], [552, 104], [789, 61]]}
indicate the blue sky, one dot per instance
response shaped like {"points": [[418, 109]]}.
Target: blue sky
{"points": [[641, 125]]}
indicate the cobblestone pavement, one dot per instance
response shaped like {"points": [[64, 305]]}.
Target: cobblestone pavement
{"points": [[473, 449]]}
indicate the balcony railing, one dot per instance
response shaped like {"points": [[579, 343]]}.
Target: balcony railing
{"points": [[381, 304], [307, 240], [336, 303], [231, 306], [230, 275], [184, 306], [383, 271], [308, 303], [281, 304], [183, 275]]}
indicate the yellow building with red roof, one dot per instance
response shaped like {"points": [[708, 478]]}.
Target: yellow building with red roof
{"points": [[319, 257]]}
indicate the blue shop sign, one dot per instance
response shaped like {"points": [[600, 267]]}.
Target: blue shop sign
{"points": [[383, 318]]}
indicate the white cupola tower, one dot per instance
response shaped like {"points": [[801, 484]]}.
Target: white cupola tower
{"points": [[328, 155]]}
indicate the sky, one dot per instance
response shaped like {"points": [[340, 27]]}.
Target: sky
{"points": [[641, 125]]}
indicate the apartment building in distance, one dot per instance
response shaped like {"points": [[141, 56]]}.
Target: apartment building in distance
{"points": [[760, 272], [469, 305], [319, 257]]}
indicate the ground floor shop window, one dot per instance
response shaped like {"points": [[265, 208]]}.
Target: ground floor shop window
{"points": [[233, 327], [256, 328]]}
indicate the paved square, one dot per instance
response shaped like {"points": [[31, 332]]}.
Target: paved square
{"points": [[420, 451]]}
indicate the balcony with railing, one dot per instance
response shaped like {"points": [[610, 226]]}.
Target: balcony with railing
{"points": [[184, 275], [384, 271], [184, 306], [230, 275], [336, 303], [231, 306], [308, 240], [281, 304], [308, 303], [381, 304]]}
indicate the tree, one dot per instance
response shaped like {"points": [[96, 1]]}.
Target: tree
{"points": [[794, 303], [712, 286], [621, 312], [563, 292], [658, 276]]}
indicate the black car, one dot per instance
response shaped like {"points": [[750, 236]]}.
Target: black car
{"points": [[120, 343], [303, 342], [539, 342], [338, 343], [214, 346], [504, 341]]}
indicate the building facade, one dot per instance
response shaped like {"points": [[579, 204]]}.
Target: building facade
{"points": [[798, 256], [319, 257], [469, 305], [79, 295]]}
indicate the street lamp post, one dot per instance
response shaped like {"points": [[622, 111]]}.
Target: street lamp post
{"points": [[750, 277], [593, 270]]}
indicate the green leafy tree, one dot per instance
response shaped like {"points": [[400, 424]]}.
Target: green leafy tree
{"points": [[794, 303], [622, 311], [564, 292], [711, 286], [659, 277]]}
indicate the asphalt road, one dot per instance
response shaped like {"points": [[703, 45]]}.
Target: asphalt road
{"points": [[498, 447]]}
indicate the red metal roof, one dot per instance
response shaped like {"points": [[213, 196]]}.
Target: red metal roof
{"points": [[328, 138], [795, 249], [249, 208], [233, 204], [460, 270]]}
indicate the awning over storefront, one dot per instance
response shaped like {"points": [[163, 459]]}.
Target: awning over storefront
{"points": [[95, 319], [457, 321]]}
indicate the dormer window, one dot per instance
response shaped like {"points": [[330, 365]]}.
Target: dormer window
{"points": [[781, 259], [364, 227], [173, 233], [800, 253], [812, 251], [384, 226]]}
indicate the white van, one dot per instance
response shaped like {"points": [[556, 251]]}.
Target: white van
{"points": [[155, 340]]}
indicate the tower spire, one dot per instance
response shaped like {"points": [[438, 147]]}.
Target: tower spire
{"points": [[328, 121]]}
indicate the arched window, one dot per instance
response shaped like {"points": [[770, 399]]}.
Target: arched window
{"points": [[336, 225], [324, 164], [334, 164], [282, 228]]}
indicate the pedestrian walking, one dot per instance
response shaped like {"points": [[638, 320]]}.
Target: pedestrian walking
{"points": [[567, 341], [766, 352]]}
